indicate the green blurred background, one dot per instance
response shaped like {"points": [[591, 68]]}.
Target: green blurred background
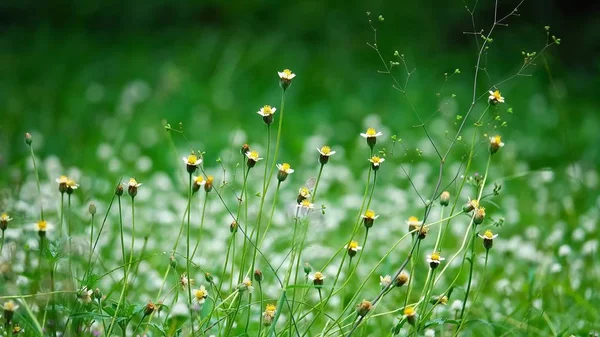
{"points": [[76, 73]]}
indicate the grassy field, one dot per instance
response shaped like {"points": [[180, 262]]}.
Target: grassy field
{"points": [[103, 105]]}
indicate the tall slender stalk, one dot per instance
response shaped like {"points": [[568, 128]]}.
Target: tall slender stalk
{"points": [[187, 268]]}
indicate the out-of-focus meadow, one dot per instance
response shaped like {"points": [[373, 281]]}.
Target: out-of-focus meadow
{"points": [[96, 83]]}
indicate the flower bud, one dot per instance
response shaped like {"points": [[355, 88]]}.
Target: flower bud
{"points": [[149, 309], [28, 139], [411, 315], [233, 227], [422, 232], [208, 185], [209, 278], [119, 190], [245, 148], [307, 268], [172, 262], [92, 208], [479, 215], [363, 308], [401, 279], [258, 275], [445, 198], [98, 294]]}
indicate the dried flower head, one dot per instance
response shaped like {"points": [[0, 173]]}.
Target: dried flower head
{"points": [[402, 279], [470, 205], [84, 296], [385, 281], [184, 281], [364, 307], [246, 285], [150, 308], [479, 215]]}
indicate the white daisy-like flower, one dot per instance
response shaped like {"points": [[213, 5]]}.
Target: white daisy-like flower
{"points": [[133, 183], [385, 281], [10, 306], [246, 285], [4, 218], [495, 97], [192, 160], [306, 204], [317, 276], [488, 235], [266, 110], [253, 155], [435, 259], [285, 167], [376, 160], [43, 226], [326, 151], [62, 180], [353, 246], [71, 184], [199, 181], [371, 133], [85, 295], [496, 141], [286, 74], [200, 295], [304, 192]]}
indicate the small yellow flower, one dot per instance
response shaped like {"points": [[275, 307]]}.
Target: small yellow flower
{"points": [[375, 162], [352, 248], [133, 183], [369, 218], [62, 183], [246, 285], [266, 110], [410, 314], [72, 184], [318, 278], [479, 215], [326, 151], [434, 259], [413, 223], [192, 160], [286, 74], [10, 306], [495, 144], [253, 158], [208, 185], [200, 295], [198, 183], [495, 97], [284, 170], [132, 187], [42, 226], [304, 192], [488, 239], [371, 133], [4, 219], [269, 314], [285, 167], [306, 204]]}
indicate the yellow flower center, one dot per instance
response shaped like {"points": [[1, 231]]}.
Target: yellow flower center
{"points": [[63, 179], [132, 182], [497, 94], [304, 192], [305, 203], [371, 132], [201, 294], [375, 160], [285, 167], [369, 214], [209, 179], [326, 150], [318, 275], [267, 110], [4, 217], [353, 245], [247, 282], [496, 140], [488, 234], [253, 155], [475, 203], [444, 300], [409, 311], [435, 256], [192, 159], [270, 308], [287, 72], [71, 183], [42, 225], [413, 219], [199, 180], [481, 211]]}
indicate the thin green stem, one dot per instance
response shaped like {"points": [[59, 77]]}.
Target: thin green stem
{"points": [[187, 268], [69, 235], [37, 179], [121, 230], [201, 224]]}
